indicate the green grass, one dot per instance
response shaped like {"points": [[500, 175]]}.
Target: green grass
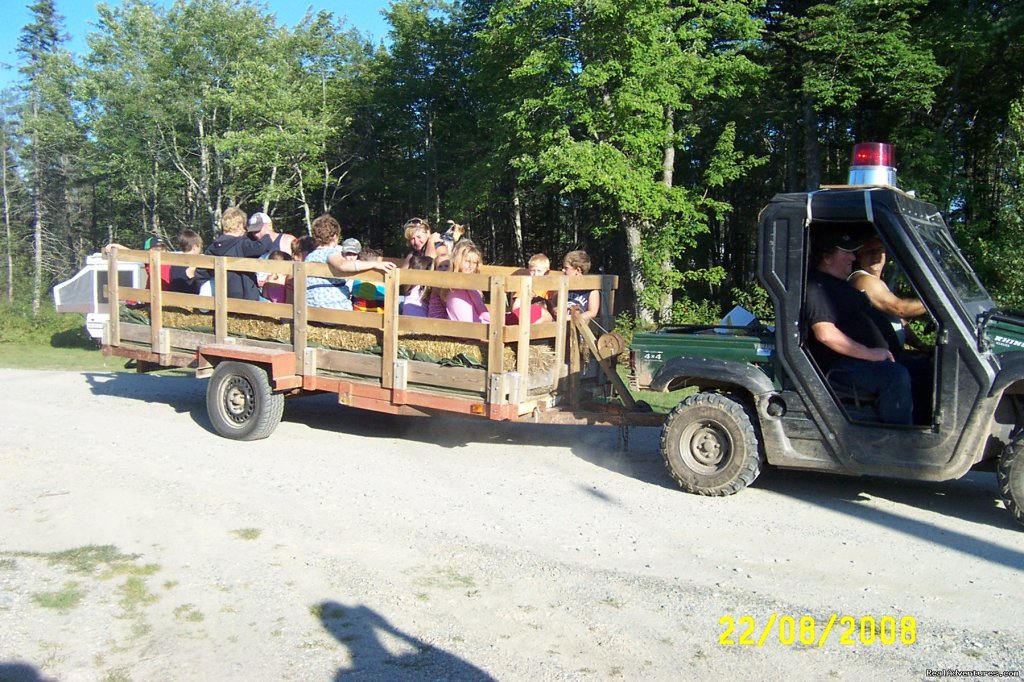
{"points": [[63, 600], [247, 533], [49, 340], [659, 402]]}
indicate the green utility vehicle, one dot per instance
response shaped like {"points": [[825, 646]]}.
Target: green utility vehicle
{"points": [[761, 398]]}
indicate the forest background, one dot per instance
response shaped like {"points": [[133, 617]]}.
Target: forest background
{"points": [[647, 132]]}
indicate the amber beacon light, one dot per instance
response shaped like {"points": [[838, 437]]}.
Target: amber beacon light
{"points": [[872, 163]]}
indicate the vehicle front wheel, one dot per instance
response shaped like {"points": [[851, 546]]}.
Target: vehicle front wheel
{"points": [[240, 402], [1011, 478], [710, 445]]}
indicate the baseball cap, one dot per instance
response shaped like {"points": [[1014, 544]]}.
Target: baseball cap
{"points": [[351, 245], [152, 243], [840, 239], [257, 221]]}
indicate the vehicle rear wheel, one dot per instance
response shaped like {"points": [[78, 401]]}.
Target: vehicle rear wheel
{"points": [[1010, 474], [240, 402], [710, 445]]}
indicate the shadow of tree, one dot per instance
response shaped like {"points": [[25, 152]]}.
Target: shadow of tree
{"points": [[73, 338], [372, 641]]}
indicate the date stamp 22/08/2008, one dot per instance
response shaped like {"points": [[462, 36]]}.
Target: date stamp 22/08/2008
{"points": [[806, 631]]}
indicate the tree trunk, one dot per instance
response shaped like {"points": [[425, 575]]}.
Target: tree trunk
{"points": [[668, 163], [517, 223], [812, 151], [37, 215], [631, 228], [7, 227]]}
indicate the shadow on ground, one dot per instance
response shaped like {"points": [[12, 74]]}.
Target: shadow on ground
{"points": [[371, 642]]}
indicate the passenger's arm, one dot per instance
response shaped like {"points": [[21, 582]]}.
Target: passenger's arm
{"points": [[886, 301], [343, 266], [833, 338], [593, 306]]}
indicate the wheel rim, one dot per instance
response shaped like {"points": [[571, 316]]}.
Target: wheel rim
{"points": [[239, 400], [705, 446]]}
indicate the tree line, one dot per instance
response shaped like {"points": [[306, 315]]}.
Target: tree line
{"points": [[648, 132]]}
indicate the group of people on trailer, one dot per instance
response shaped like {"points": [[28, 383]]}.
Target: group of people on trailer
{"points": [[859, 336], [254, 237]]}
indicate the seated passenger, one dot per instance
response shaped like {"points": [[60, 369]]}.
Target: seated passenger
{"points": [[588, 302], [435, 304], [302, 247], [329, 292], [540, 299], [277, 287], [183, 279], [416, 300], [236, 242], [422, 242], [871, 259], [466, 305], [845, 339]]}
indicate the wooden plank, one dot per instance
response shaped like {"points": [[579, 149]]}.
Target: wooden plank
{"points": [[274, 311], [605, 364], [347, 318], [561, 308], [449, 328], [137, 295], [525, 293], [574, 370], [174, 299], [389, 342], [458, 378], [348, 362], [113, 301], [135, 333], [220, 295], [495, 338], [300, 326], [155, 299]]}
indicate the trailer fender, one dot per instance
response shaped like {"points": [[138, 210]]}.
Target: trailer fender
{"points": [[711, 373]]}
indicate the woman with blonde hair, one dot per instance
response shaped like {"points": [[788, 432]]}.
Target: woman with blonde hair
{"points": [[465, 305]]}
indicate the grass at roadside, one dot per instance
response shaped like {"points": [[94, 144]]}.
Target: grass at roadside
{"points": [[49, 340]]}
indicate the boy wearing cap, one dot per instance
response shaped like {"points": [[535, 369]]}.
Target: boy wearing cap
{"points": [[846, 339], [260, 225], [234, 242]]}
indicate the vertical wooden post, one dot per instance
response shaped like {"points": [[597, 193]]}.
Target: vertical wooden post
{"points": [[220, 298], [300, 331], [113, 302], [389, 342], [495, 331], [574, 367], [523, 345], [561, 316], [156, 300]]}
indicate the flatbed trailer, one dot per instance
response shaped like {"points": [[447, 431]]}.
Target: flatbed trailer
{"points": [[257, 353]]}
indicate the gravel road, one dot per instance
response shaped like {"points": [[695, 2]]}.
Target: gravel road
{"points": [[135, 544]]}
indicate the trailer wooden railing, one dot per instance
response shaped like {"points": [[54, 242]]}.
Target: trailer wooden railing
{"points": [[297, 362]]}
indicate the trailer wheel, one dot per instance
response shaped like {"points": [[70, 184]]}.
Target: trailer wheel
{"points": [[710, 445], [1011, 478], [240, 403]]}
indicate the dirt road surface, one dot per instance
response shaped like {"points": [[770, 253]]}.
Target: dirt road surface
{"points": [[135, 544]]}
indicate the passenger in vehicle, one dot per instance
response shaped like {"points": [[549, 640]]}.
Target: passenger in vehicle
{"points": [[329, 292], [417, 295], [845, 339], [422, 241], [302, 247], [587, 301], [871, 260], [435, 304], [183, 278], [236, 241], [466, 305], [277, 287], [540, 300]]}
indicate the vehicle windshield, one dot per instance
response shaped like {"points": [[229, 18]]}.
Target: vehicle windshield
{"points": [[953, 267]]}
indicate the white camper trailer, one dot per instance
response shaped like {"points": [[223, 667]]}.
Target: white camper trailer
{"points": [[86, 292]]}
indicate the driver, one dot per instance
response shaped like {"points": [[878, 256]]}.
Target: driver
{"points": [[846, 339]]}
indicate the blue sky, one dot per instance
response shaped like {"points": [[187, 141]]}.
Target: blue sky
{"points": [[80, 17]]}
